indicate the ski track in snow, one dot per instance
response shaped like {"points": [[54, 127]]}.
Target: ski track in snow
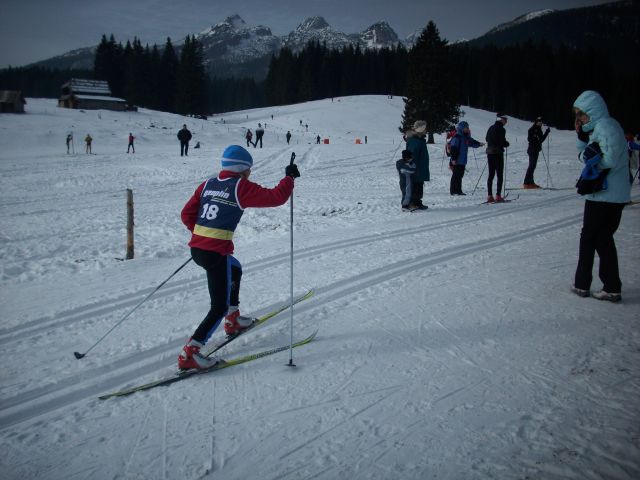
{"points": [[334, 292]]}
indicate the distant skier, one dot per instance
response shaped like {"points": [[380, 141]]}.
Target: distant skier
{"points": [[212, 215], [87, 141], [259, 135], [248, 136], [288, 137], [131, 146], [318, 140], [535, 137], [496, 143], [69, 141], [184, 135]]}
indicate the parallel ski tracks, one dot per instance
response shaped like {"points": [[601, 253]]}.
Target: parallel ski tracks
{"points": [[91, 382], [107, 306]]}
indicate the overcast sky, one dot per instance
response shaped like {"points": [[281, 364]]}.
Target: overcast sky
{"points": [[32, 30]]}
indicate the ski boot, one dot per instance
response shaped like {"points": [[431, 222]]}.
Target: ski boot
{"points": [[190, 357], [234, 323]]}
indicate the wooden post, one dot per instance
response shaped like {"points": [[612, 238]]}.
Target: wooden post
{"points": [[129, 224]]}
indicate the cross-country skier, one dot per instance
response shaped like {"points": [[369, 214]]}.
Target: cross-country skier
{"points": [[459, 147], [212, 215], [496, 143], [535, 137]]}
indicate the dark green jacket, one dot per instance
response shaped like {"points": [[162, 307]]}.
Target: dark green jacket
{"points": [[417, 145]]}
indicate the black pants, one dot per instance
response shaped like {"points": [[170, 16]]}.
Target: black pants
{"points": [[184, 148], [417, 190], [456, 179], [224, 273], [600, 222], [533, 162], [131, 146], [258, 139], [496, 167]]}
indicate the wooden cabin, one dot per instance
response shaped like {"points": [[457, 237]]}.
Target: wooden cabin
{"points": [[11, 101], [84, 94]]}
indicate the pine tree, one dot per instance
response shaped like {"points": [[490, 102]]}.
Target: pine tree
{"points": [[432, 91], [191, 89]]}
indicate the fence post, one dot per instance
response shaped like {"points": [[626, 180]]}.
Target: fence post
{"points": [[129, 224]]}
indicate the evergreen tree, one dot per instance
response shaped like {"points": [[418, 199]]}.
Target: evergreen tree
{"points": [[168, 78], [191, 80], [431, 88]]}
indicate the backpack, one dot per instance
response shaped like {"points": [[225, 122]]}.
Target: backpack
{"points": [[592, 178], [447, 143]]}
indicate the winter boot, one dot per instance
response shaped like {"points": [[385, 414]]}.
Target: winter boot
{"points": [[490, 199], [190, 357], [234, 323], [610, 297], [579, 291], [499, 199]]}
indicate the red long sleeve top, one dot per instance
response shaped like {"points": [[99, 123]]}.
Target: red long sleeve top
{"points": [[250, 195]]}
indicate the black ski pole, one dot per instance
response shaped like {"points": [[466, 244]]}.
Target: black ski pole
{"points": [[481, 173], [506, 157], [79, 355], [291, 364]]}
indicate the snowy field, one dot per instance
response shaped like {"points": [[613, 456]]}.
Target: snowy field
{"points": [[449, 344]]}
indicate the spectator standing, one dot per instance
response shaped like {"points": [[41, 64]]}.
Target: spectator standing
{"points": [[131, 146], [417, 145], [288, 136], [184, 135], [259, 135], [603, 209], [406, 168], [87, 141], [69, 141]]}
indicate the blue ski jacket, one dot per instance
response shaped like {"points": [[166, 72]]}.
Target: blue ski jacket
{"points": [[606, 132]]}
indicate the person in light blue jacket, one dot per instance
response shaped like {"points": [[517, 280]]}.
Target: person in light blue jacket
{"points": [[602, 209], [459, 148]]}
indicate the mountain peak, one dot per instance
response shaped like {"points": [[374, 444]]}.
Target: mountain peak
{"points": [[313, 23]]}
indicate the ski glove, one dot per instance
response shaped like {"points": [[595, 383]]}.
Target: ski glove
{"points": [[583, 136], [292, 171]]}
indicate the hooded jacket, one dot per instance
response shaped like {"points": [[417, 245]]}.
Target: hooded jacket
{"points": [[417, 145], [606, 132], [460, 143]]}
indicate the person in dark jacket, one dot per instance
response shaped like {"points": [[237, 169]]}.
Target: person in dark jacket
{"points": [[459, 148], [288, 137], [212, 215], [496, 143], [406, 168], [259, 135], [535, 137], [184, 135], [248, 136], [417, 145]]}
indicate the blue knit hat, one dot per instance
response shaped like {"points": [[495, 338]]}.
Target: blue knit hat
{"points": [[236, 159]]}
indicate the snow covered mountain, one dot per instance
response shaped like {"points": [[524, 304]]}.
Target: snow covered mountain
{"points": [[518, 20], [234, 41], [379, 35], [316, 29]]}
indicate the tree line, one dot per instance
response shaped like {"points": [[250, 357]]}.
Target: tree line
{"points": [[524, 80]]}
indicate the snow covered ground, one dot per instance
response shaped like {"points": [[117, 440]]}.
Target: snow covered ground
{"points": [[449, 345]]}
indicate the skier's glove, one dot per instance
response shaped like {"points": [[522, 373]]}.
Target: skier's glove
{"points": [[292, 171], [548, 130], [583, 136]]}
